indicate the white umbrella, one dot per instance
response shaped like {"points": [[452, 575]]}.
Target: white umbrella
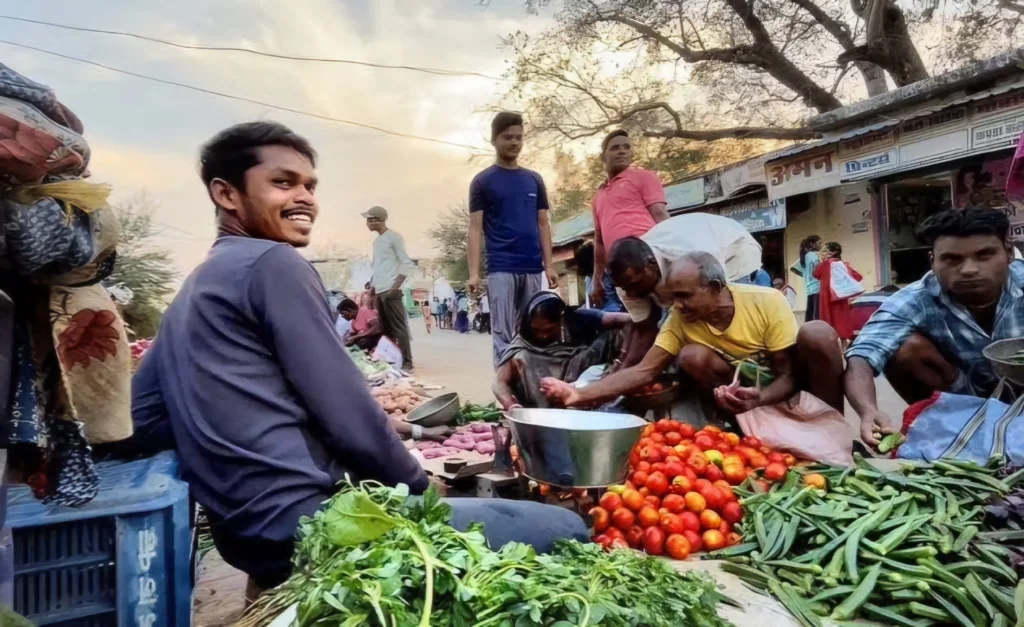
{"points": [[722, 237]]}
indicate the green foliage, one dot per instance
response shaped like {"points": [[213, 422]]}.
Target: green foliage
{"points": [[449, 233], [144, 268]]}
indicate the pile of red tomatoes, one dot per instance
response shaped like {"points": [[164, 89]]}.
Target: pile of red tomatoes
{"points": [[678, 497]]}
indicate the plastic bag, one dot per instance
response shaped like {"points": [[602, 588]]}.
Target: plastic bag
{"points": [[388, 351], [843, 285], [805, 426]]}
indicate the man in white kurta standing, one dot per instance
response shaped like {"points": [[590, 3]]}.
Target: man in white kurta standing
{"points": [[508, 206], [391, 266]]}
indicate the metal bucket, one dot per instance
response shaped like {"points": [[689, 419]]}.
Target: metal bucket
{"points": [[575, 449]]}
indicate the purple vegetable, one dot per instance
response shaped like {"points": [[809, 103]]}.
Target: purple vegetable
{"points": [[426, 445], [486, 448], [442, 451], [480, 427], [482, 437]]}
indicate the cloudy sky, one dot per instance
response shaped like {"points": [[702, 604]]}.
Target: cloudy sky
{"points": [[145, 136]]}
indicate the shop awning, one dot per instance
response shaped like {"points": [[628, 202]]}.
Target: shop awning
{"points": [[834, 138], [572, 230]]}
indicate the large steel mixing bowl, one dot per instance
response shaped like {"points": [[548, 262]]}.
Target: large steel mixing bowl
{"points": [[1002, 355], [575, 449]]}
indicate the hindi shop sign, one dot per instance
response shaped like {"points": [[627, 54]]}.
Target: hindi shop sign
{"points": [[870, 165], [685, 194], [802, 174], [998, 134], [758, 215]]}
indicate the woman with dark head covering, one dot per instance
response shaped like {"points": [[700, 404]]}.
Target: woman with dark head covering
{"points": [[553, 340]]}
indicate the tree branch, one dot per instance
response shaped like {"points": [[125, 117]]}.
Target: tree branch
{"points": [[1010, 5], [679, 132], [838, 30], [737, 54], [736, 132]]}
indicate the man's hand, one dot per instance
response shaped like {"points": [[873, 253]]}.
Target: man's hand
{"points": [[513, 403], [872, 423], [440, 486], [473, 284], [596, 293], [559, 391], [737, 400], [552, 277], [437, 434]]}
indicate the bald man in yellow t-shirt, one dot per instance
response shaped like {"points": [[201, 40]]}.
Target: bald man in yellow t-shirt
{"points": [[740, 341]]}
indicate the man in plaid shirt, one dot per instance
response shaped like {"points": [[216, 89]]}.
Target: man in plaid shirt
{"points": [[929, 336]]}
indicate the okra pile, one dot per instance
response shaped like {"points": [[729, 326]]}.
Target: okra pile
{"points": [[906, 547]]}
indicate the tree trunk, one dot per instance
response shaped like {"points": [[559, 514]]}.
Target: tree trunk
{"points": [[889, 45], [874, 78]]}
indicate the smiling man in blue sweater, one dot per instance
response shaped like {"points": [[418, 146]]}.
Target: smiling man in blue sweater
{"points": [[263, 427], [267, 411]]}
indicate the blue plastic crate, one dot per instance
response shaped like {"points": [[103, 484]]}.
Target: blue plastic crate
{"points": [[122, 560]]}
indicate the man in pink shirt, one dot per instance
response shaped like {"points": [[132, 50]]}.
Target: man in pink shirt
{"points": [[629, 203]]}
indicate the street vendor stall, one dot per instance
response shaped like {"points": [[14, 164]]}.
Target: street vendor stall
{"points": [[691, 526]]}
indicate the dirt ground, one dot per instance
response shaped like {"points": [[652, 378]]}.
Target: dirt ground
{"points": [[460, 362]]}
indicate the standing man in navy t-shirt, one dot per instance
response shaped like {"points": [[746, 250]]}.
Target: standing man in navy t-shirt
{"points": [[508, 205]]}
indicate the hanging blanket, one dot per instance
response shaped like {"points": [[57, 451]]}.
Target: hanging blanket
{"points": [[70, 369]]}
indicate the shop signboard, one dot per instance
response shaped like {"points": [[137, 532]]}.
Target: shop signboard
{"points": [[868, 142], [685, 194], [743, 175], [1002, 133], [933, 149], [758, 215], [870, 165], [802, 174]]}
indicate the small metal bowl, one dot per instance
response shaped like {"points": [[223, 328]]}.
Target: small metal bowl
{"points": [[998, 354], [641, 403], [436, 412]]}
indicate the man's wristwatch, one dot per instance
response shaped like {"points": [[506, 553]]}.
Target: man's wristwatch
{"points": [[417, 432]]}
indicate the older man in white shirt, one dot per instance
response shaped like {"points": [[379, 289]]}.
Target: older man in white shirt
{"points": [[391, 266]]}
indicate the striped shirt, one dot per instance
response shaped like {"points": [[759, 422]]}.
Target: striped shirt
{"points": [[922, 308]]}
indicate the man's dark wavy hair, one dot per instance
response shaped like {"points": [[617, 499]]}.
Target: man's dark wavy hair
{"points": [[964, 223], [231, 152], [504, 120]]}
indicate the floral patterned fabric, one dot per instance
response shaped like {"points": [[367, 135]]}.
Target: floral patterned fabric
{"points": [[70, 363]]}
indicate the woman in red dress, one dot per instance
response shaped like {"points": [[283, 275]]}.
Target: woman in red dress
{"points": [[836, 312]]}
